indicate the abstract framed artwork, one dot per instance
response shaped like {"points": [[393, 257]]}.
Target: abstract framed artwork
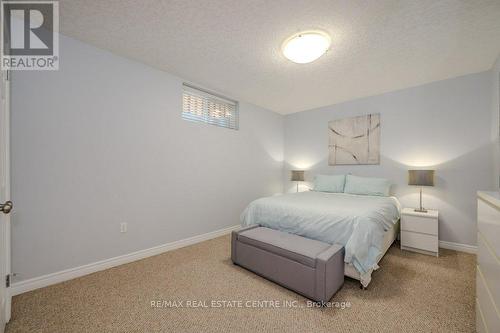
{"points": [[354, 140]]}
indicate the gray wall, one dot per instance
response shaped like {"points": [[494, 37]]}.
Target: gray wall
{"points": [[443, 125], [495, 123], [101, 141]]}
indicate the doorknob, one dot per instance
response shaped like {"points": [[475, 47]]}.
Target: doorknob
{"points": [[6, 207]]}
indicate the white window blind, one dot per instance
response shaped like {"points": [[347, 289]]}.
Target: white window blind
{"points": [[202, 106]]}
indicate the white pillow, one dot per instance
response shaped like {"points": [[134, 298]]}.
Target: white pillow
{"points": [[367, 186], [329, 183]]}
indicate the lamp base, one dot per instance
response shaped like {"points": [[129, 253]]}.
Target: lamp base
{"points": [[421, 209]]}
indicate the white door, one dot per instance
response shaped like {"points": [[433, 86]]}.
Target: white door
{"points": [[5, 204]]}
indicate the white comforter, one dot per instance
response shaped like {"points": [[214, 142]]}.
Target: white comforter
{"points": [[356, 221]]}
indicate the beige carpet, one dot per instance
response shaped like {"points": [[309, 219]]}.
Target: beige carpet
{"points": [[410, 293]]}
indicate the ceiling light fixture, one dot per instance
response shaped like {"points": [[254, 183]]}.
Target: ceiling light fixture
{"points": [[306, 46]]}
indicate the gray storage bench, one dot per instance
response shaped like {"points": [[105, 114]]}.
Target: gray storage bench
{"points": [[308, 267]]}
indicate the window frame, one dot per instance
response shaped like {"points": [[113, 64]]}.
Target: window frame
{"points": [[209, 96]]}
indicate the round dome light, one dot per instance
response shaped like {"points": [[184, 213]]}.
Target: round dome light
{"points": [[306, 46]]}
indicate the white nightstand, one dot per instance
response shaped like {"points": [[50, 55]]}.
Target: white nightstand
{"points": [[419, 231]]}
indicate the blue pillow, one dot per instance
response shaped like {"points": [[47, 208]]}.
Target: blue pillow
{"points": [[367, 186], [326, 183]]}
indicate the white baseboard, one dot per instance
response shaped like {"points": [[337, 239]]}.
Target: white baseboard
{"points": [[68, 274], [72, 273], [458, 247]]}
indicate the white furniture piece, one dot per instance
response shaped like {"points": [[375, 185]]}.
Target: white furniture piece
{"points": [[419, 231], [488, 262]]}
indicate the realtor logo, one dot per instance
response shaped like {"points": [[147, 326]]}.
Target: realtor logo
{"points": [[30, 35]]}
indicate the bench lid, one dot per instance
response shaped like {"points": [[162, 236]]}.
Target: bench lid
{"points": [[294, 247]]}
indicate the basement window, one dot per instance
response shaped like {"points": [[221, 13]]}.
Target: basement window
{"points": [[205, 107]]}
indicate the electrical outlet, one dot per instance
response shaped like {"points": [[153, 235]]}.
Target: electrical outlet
{"points": [[123, 227]]}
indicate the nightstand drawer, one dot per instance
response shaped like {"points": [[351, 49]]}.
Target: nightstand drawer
{"points": [[419, 241], [419, 224]]}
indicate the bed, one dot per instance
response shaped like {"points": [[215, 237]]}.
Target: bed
{"points": [[365, 225]]}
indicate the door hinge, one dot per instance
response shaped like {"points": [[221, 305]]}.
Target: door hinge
{"points": [[7, 280]]}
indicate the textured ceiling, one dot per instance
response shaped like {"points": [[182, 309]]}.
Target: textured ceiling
{"points": [[233, 46]]}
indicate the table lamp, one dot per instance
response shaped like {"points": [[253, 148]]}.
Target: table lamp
{"points": [[421, 178], [297, 176]]}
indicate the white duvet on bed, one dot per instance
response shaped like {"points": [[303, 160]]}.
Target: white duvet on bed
{"points": [[356, 221]]}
